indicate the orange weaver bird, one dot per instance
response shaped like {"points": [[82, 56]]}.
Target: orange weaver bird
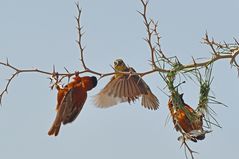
{"points": [[126, 88], [70, 100], [187, 120]]}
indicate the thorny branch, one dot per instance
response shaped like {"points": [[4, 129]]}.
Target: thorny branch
{"points": [[80, 34], [158, 49], [18, 71], [149, 31], [220, 51], [186, 147]]}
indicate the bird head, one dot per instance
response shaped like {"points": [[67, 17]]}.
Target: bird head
{"points": [[119, 65], [94, 81], [89, 82]]}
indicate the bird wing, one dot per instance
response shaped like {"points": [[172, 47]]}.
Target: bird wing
{"points": [[73, 103], [111, 94], [118, 90], [149, 100], [126, 88]]}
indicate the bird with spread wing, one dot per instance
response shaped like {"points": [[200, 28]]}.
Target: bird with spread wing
{"points": [[126, 88]]}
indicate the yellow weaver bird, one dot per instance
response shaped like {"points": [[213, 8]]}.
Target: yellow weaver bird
{"points": [[125, 88]]}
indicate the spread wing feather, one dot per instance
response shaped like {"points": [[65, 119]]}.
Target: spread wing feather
{"points": [[126, 89], [74, 101]]}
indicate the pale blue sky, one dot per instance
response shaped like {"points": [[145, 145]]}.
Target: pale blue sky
{"points": [[40, 33]]}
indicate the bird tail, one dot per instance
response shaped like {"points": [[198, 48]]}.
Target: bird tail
{"points": [[54, 130]]}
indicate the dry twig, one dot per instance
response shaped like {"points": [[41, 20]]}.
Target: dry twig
{"points": [[229, 52], [220, 51], [149, 31]]}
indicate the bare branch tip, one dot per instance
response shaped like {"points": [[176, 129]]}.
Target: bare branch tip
{"points": [[142, 14], [236, 41], [66, 70]]}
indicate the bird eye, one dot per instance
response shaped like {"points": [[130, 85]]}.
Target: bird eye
{"points": [[120, 62], [116, 63]]}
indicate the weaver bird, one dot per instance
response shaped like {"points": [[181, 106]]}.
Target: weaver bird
{"points": [[186, 120], [125, 88], [70, 100]]}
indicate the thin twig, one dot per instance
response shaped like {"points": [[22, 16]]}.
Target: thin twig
{"points": [[210, 43], [147, 24], [186, 146], [229, 54], [80, 34], [159, 49], [233, 58]]}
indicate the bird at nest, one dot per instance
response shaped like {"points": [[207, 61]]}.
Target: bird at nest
{"points": [[187, 120]]}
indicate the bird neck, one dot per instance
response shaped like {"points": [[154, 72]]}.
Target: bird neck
{"points": [[121, 68]]}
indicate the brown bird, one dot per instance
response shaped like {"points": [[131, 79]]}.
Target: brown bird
{"points": [[70, 100], [187, 120], [125, 88]]}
